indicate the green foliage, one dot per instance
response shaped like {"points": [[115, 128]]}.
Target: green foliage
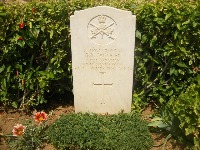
{"points": [[167, 62], [166, 48], [90, 131], [187, 109], [34, 53]]}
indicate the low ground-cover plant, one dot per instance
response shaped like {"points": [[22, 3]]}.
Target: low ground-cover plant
{"points": [[91, 131]]}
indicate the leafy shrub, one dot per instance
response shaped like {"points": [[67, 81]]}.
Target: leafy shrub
{"points": [[187, 109], [167, 62], [34, 53], [90, 131], [166, 49]]}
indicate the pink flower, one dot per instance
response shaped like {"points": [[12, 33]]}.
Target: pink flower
{"points": [[18, 130], [40, 116]]}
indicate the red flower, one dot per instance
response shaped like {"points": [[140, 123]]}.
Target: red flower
{"points": [[20, 39], [34, 10], [21, 25], [196, 69], [18, 130], [40, 116]]}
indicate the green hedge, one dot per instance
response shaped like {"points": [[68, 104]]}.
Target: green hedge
{"points": [[90, 131], [187, 109], [167, 54], [35, 57], [167, 63]]}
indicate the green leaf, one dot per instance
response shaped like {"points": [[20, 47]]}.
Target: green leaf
{"points": [[154, 39], [158, 123], [138, 35], [21, 43], [167, 16], [194, 24], [156, 60], [178, 26], [144, 38], [42, 28], [2, 68], [30, 43], [183, 49], [14, 104], [31, 86], [29, 75], [182, 64], [8, 68], [44, 73], [2, 14], [30, 25], [52, 59], [171, 92], [35, 32], [4, 85], [186, 22], [190, 62], [50, 75], [51, 34], [175, 34], [156, 119], [42, 84], [18, 66], [8, 77]]}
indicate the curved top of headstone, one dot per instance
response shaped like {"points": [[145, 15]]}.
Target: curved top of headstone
{"points": [[102, 23], [103, 8]]}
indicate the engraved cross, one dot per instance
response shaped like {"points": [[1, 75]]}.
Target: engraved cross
{"points": [[103, 84]]}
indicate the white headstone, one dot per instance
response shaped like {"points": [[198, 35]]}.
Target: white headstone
{"points": [[102, 43]]}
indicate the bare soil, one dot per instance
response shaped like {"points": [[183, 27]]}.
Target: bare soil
{"points": [[9, 118]]}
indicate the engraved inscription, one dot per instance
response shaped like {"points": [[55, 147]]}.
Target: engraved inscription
{"points": [[101, 59], [102, 30]]}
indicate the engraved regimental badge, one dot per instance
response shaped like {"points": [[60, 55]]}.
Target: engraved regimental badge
{"points": [[102, 30]]}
